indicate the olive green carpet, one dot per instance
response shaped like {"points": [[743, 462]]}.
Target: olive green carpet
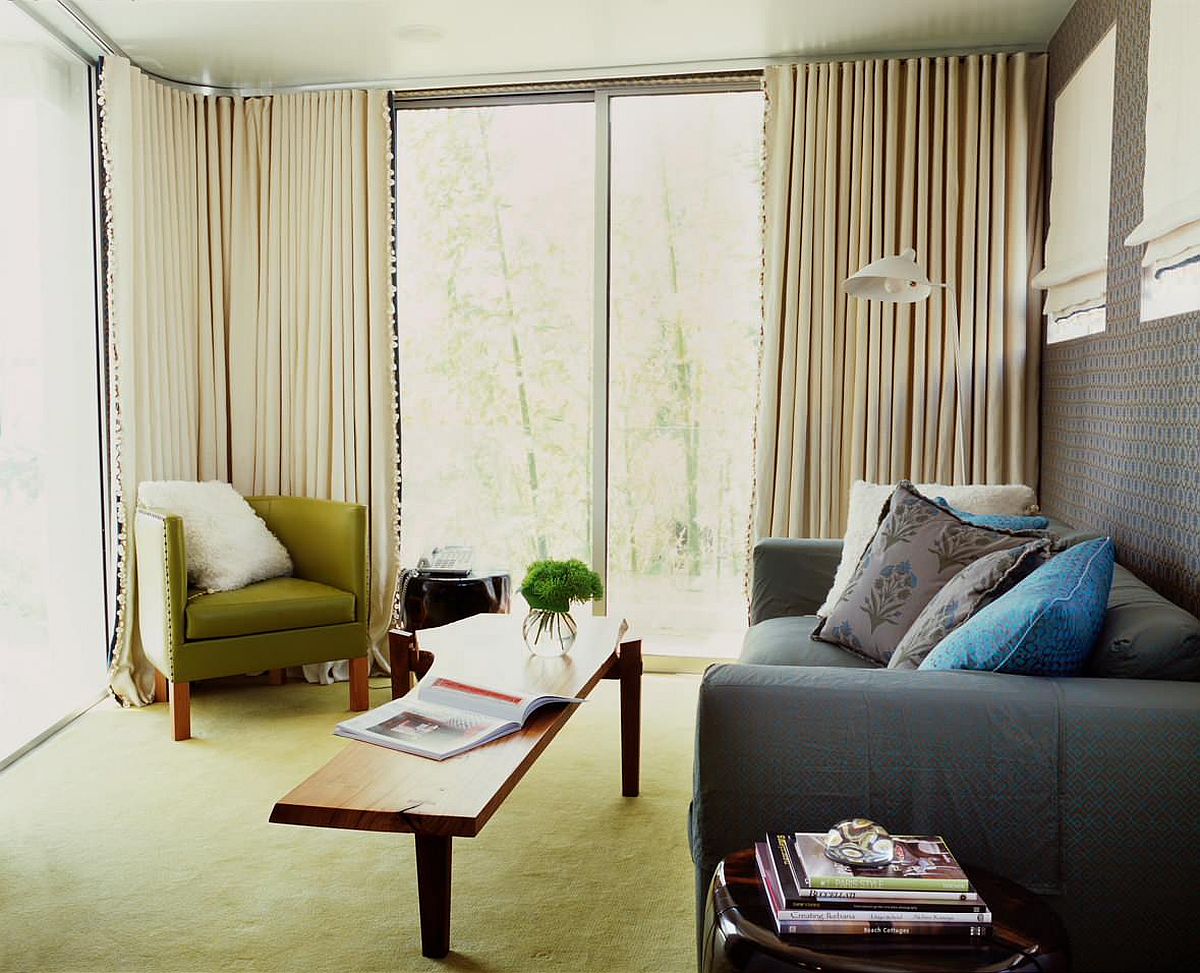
{"points": [[121, 850]]}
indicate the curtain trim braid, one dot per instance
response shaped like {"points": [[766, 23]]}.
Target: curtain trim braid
{"points": [[390, 149], [120, 513], [752, 513]]}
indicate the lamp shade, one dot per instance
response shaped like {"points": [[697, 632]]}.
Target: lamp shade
{"points": [[897, 279]]}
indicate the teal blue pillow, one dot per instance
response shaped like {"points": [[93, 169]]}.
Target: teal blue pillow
{"points": [[996, 521], [1047, 625]]}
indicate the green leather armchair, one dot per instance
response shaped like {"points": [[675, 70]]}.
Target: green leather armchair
{"points": [[318, 614]]}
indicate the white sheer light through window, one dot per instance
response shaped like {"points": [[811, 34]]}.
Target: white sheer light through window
{"points": [[52, 636], [494, 272], [686, 313]]}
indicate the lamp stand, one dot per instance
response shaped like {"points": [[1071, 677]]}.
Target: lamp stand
{"points": [[960, 421]]}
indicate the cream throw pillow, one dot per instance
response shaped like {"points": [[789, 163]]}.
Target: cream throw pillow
{"points": [[866, 505], [228, 545]]}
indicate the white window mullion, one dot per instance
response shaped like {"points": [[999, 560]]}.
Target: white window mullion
{"points": [[600, 350]]}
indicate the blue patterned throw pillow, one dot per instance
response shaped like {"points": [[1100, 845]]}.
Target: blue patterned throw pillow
{"points": [[996, 521], [1045, 626]]}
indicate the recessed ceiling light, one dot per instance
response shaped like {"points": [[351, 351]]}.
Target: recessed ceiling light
{"points": [[420, 33]]}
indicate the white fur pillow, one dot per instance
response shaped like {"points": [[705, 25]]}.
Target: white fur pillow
{"points": [[228, 545], [866, 504]]}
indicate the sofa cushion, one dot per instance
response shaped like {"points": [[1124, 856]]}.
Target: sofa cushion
{"points": [[969, 591], [268, 606], [787, 641], [1000, 521], [868, 500], [1046, 626], [917, 548], [1145, 636]]}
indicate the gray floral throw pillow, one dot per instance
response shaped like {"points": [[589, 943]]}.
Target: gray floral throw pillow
{"points": [[917, 548], [975, 586]]}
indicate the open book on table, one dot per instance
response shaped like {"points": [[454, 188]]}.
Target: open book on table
{"points": [[446, 716]]}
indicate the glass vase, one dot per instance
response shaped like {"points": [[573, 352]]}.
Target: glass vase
{"points": [[548, 633]]}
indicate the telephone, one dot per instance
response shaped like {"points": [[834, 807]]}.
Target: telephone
{"points": [[448, 561]]}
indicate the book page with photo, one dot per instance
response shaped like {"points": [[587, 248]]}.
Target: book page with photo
{"points": [[448, 716], [920, 862]]}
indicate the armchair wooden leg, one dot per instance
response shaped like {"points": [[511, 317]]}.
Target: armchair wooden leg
{"points": [[160, 687], [278, 677], [360, 697], [181, 710]]}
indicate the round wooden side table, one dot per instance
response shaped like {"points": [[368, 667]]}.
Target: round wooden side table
{"points": [[739, 935], [432, 600]]}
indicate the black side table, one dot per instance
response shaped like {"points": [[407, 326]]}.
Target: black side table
{"points": [[431, 600], [739, 935]]}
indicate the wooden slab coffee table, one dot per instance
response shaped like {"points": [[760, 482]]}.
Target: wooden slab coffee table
{"points": [[369, 788]]}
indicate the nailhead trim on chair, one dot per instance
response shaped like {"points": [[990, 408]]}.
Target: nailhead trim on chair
{"points": [[169, 599], [169, 591]]}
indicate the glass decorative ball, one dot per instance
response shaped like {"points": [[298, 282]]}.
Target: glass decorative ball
{"points": [[860, 842]]}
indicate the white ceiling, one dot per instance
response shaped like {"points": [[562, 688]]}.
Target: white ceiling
{"points": [[265, 43]]}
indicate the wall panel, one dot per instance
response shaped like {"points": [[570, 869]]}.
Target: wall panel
{"points": [[1121, 409]]}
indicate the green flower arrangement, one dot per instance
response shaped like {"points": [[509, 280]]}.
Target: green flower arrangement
{"points": [[554, 585]]}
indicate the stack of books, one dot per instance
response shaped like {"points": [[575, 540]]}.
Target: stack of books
{"points": [[923, 892]]}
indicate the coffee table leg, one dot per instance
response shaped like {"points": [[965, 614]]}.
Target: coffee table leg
{"points": [[433, 893], [630, 664], [401, 648]]}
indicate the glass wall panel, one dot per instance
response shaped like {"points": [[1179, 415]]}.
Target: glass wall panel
{"points": [[685, 322], [52, 624], [494, 278]]}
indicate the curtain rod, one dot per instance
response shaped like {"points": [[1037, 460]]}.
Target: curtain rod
{"points": [[35, 13], [585, 76], [724, 80], [89, 27]]}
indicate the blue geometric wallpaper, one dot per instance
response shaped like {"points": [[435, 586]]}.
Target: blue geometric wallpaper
{"points": [[1120, 428]]}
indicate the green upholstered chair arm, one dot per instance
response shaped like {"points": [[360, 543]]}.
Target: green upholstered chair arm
{"points": [[327, 540], [161, 570]]}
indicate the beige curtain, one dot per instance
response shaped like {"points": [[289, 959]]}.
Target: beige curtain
{"points": [[250, 309], [165, 317], [865, 159], [311, 359]]}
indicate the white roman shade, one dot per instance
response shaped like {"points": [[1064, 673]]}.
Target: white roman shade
{"points": [[1170, 225], [1076, 261]]}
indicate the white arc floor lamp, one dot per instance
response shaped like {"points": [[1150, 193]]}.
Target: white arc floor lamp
{"points": [[899, 279]]}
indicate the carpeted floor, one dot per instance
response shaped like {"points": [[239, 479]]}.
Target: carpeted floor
{"points": [[121, 850]]}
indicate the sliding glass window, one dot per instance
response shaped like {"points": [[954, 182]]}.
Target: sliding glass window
{"points": [[52, 619], [494, 251], [579, 315]]}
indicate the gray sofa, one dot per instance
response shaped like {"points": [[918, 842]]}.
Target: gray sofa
{"points": [[1086, 790]]}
